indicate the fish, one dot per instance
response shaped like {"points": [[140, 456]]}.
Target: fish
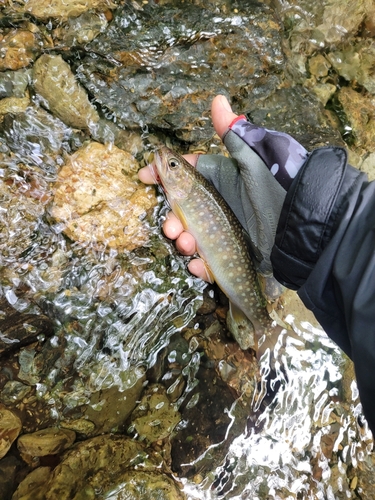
{"points": [[221, 244]]}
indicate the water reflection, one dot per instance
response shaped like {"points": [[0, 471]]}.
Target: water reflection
{"points": [[305, 442]]}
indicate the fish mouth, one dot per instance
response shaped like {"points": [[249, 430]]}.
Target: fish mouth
{"points": [[155, 167]]}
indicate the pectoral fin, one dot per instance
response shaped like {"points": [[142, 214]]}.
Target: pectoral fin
{"points": [[176, 209]]}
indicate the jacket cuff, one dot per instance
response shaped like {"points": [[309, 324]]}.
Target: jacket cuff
{"points": [[310, 214]]}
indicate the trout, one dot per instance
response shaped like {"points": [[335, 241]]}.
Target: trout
{"points": [[221, 244]]}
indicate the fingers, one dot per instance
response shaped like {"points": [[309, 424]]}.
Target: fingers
{"points": [[197, 267], [173, 229], [147, 174], [185, 244]]}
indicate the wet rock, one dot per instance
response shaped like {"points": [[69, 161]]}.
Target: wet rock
{"points": [[342, 18], [109, 408], [324, 91], [81, 426], [305, 119], [14, 83], [34, 486], [50, 441], [369, 23], [39, 139], [19, 219], [355, 63], [18, 49], [173, 59], [319, 66], [54, 81], [14, 392], [209, 303], [100, 464], [13, 105], [8, 470], [137, 484], [62, 9], [82, 29], [10, 427], [98, 199], [155, 417], [363, 478], [19, 329], [360, 112]]}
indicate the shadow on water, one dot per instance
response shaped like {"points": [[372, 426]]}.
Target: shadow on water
{"points": [[119, 378]]}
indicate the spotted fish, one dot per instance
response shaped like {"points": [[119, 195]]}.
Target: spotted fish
{"points": [[220, 243]]}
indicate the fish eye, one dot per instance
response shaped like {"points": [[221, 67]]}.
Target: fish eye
{"points": [[173, 163]]}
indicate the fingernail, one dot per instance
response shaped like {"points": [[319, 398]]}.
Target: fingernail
{"points": [[225, 103]]}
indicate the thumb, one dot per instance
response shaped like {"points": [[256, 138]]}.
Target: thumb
{"points": [[222, 114]]}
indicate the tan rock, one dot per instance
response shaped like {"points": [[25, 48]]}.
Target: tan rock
{"points": [[155, 417], [63, 9], [360, 112], [99, 463], [13, 105], [17, 49], [343, 17], [50, 441], [10, 427], [34, 486], [56, 83], [99, 200], [319, 66]]}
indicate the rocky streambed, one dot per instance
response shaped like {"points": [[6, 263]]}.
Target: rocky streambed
{"points": [[118, 376]]}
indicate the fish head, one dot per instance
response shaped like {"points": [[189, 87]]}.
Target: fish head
{"points": [[176, 175]]}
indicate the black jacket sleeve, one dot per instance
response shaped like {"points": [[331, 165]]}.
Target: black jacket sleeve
{"points": [[325, 249]]}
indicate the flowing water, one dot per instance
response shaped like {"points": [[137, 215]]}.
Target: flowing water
{"points": [[103, 332]]}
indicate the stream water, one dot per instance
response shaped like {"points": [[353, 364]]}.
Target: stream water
{"points": [[119, 378]]}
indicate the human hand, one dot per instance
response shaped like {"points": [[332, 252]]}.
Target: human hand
{"points": [[253, 182]]}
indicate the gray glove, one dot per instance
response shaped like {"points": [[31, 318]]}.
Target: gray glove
{"points": [[255, 180]]}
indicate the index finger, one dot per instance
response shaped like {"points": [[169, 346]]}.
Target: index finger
{"points": [[148, 173]]}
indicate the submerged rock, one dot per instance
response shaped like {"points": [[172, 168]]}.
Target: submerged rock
{"points": [[20, 328], [14, 105], [34, 486], [18, 49], [108, 464], [50, 441], [155, 417], [55, 82], [20, 217], [61, 9], [97, 198], [10, 427]]}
